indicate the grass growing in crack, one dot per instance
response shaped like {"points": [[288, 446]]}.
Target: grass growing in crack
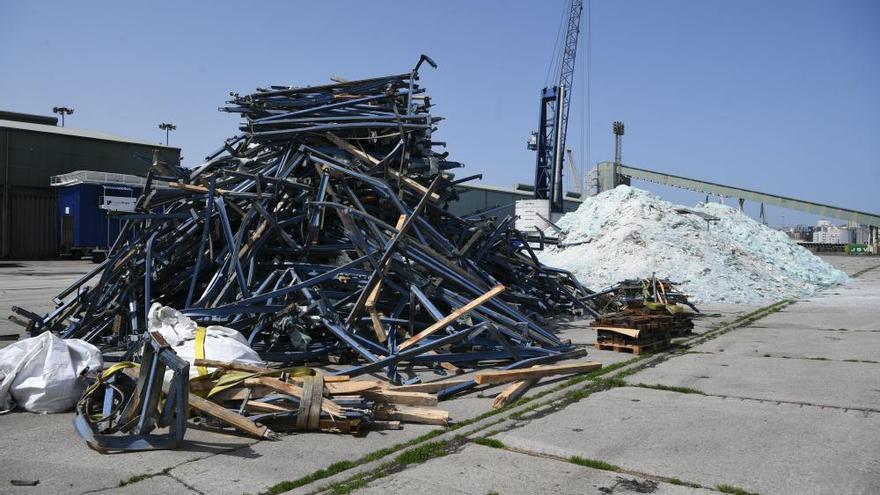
{"points": [[676, 481], [135, 479], [593, 463], [735, 490], [359, 481], [346, 465], [415, 455], [422, 453], [490, 442], [681, 390], [330, 470]]}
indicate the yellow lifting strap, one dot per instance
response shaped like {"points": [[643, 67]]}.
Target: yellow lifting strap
{"points": [[201, 332], [231, 378], [106, 374]]}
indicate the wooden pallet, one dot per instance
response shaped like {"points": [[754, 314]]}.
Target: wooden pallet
{"points": [[634, 349]]}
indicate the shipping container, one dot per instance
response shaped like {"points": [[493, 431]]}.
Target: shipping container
{"points": [[88, 206]]}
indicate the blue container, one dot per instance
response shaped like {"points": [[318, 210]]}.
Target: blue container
{"points": [[85, 216]]}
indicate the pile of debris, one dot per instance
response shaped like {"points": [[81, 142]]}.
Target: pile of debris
{"points": [[321, 234], [717, 253], [642, 316]]}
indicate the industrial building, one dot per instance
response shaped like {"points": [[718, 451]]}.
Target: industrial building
{"points": [[32, 150], [499, 201]]}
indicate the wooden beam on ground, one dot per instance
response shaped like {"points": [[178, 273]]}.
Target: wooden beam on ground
{"points": [[451, 317], [233, 419], [430, 387], [277, 385], [505, 376], [398, 397], [353, 388], [409, 414], [513, 392]]}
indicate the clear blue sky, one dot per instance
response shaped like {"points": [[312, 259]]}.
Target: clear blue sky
{"points": [[780, 96]]}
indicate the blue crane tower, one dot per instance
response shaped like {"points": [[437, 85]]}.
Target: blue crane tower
{"points": [[549, 139]]}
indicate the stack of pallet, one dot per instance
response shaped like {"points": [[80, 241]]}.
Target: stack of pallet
{"points": [[647, 315], [636, 332]]}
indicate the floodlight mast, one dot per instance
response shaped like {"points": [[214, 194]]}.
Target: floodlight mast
{"points": [[62, 111], [167, 128]]}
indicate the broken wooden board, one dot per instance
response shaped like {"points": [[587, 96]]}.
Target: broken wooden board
{"points": [[410, 414], [505, 376], [451, 317]]}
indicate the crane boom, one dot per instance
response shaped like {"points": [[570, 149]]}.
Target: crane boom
{"points": [[549, 140]]}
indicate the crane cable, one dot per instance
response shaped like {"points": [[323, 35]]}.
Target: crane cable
{"points": [[553, 68]]}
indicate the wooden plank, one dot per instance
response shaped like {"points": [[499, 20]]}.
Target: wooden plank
{"points": [[635, 349], [352, 388], [378, 329], [241, 393], [451, 368], [451, 317], [399, 397], [505, 376], [411, 414], [629, 332], [327, 405], [195, 188], [412, 184], [232, 365], [233, 419], [512, 392], [429, 387]]}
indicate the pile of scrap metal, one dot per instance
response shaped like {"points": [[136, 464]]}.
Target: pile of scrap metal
{"points": [[642, 315], [321, 233]]}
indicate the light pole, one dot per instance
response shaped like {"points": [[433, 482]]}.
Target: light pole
{"points": [[617, 128], [167, 128], [63, 111]]}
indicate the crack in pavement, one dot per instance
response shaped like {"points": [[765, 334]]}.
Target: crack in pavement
{"points": [[167, 471], [618, 469], [188, 486], [797, 403]]}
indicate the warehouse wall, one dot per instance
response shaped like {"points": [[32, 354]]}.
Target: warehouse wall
{"points": [[36, 156], [32, 223], [28, 215], [476, 198]]}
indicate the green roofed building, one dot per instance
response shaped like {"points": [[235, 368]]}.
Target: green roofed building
{"points": [[33, 149]]}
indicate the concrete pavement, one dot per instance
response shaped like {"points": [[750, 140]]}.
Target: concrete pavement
{"points": [[787, 404], [775, 419]]}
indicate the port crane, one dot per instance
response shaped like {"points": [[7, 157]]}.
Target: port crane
{"points": [[549, 140]]}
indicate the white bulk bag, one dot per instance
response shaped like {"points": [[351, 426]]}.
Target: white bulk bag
{"points": [[43, 373], [221, 343]]}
